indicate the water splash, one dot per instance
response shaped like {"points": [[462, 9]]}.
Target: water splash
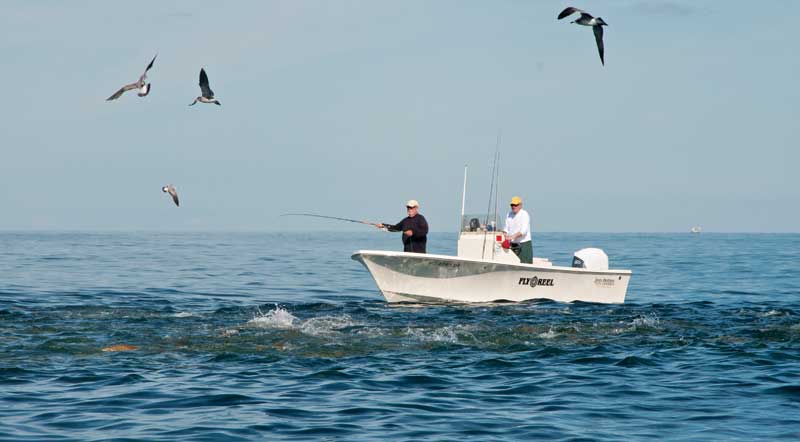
{"points": [[549, 334], [450, 334], [645, 321], [183, 315], [279, 318], [326, 325]]}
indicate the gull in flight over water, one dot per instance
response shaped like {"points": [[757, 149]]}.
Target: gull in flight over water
{"points": [[207, 95], [144, 88], [170, 189], [587, 19]]}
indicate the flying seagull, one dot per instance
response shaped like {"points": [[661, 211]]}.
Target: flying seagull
{"points": [[169, 188], [144, 88], [587, 19], [207, 95]]}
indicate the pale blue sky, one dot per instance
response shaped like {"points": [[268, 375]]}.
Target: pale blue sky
{"points": [[349, 108]]}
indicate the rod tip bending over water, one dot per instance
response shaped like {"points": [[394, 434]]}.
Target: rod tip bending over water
{"points": [[314, 215]]}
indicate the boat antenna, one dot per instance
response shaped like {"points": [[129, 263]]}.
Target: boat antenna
{"points": [[491, 192], [496, 198], [330, 217], [463, 201]]}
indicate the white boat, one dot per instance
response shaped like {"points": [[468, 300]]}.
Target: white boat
{"points": [[416, 277], [484, 271], [696, 229]]}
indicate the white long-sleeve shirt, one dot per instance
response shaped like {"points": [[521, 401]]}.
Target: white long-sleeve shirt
{"points": [[518, 223]]}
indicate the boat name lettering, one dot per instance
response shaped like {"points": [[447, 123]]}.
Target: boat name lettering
{"points": [[454, 265], [534, 281], [604, 282]]}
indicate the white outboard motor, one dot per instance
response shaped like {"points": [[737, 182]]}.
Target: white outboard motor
{"points": [[590, 259]]}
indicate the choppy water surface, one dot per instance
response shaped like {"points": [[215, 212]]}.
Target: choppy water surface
{"points": [[283, 337]]}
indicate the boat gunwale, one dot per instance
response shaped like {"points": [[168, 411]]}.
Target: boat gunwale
{"points": [[518, 266]]}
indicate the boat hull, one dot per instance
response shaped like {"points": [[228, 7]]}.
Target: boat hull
{"points": [[413, 277]]}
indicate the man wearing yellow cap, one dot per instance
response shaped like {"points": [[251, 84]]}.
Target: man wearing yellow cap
{"points": [[414, 228], [518, 231]]}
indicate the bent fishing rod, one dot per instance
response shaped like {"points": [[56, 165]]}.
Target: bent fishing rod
{"points": [[334, 217]]}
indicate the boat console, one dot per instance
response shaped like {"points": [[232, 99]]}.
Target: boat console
{"points": [[483, 241]]}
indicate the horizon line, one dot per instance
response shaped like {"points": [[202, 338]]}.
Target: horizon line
{"points": [[234, 231]]}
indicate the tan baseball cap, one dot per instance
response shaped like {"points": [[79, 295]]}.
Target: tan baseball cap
{"points": [[412, 203], [516, 200]]}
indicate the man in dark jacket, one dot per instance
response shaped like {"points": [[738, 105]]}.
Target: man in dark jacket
{"points": [[414, 228]]}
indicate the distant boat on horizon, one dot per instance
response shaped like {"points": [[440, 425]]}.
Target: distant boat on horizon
{"points": [[696, 229]]}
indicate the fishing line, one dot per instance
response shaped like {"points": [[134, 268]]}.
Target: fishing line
{"points": [[331, 217]]}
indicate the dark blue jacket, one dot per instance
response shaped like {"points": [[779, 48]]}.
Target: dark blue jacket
{"points": [[419, 227]]}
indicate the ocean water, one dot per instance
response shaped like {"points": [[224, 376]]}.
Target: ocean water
{"points": [[283, 337]]}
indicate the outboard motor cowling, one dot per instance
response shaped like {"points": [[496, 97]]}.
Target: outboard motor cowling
{"points": [[590, 259]]}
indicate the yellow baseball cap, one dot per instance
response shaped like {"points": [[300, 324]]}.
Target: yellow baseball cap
{"points": [[412, 203], [516, 200]]}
